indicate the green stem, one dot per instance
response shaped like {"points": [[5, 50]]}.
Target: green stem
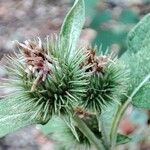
{"points": [[88, 133], [119, 114], [121, 111]]}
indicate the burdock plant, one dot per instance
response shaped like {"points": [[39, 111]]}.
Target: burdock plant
{"points": [[77, 94]]}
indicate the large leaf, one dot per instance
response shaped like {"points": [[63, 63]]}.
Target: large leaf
{"points": [[138, 59], [72, 26], [106, 120], [139, 37], [13, 104], [59, 130], [14, 114], [11, 123]]}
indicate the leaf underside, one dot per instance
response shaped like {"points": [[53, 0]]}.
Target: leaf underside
{"points": [[14, 114], [138, 59], [58, 130], [72, 26]]}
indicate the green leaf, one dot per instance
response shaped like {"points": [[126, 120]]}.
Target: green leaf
{"points": [[59, 130], [106, 120], [11, 123], [56, 125], [72, 26], [123, 139], [138, 59], [12, 104], [13, 115], [139, 36]]}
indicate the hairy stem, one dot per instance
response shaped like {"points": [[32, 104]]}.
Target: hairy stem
{"points": [[88, 133], [121, 111]]}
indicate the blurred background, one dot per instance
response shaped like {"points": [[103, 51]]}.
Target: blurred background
{"points": [[107, 24]]}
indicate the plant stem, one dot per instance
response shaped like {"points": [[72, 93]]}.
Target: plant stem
{"points": [[119, 114], [88, 133], [121, 111]]}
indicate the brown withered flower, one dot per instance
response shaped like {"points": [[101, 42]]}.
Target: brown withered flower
{"points": [[96, 63], [37, 60]]}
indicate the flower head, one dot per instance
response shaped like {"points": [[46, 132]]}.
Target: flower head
{"points": [[37, 60], [107, 76], [96, 63]]}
